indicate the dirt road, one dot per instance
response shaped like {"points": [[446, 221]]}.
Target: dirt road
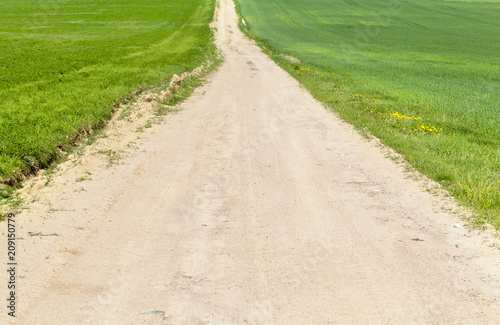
{"points": [[251, 205]]}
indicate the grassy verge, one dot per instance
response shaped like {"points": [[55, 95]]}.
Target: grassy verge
{"points": [[423, 76], [65, 64]]}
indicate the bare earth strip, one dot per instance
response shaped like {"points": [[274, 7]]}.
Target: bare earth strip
{"points": [[252, 205]]}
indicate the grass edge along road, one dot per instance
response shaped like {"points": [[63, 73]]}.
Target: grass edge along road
{"points": [[462, 159], [41, 118]]}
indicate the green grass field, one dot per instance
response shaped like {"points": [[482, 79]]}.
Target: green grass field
{"points": [[422, 75], [63, 63]]}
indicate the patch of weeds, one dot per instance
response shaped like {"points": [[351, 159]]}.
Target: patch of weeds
{"points": [[40, 234], [132, 145], [187, 87], [113, 156], [173, 98], [51, 209], [49, 174], [252, 66], [80, 151], [32, 184], [164, 110], [11, 202], [48, 179], [93, 138], [179, 94], [84, 178], [126, 112], [160, 119], [6, 192]]}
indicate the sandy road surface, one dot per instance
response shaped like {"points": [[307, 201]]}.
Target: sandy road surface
{"points": [[252, 205]]}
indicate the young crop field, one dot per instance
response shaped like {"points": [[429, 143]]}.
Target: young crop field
{"points": [[422, 75], [63, 63]]}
